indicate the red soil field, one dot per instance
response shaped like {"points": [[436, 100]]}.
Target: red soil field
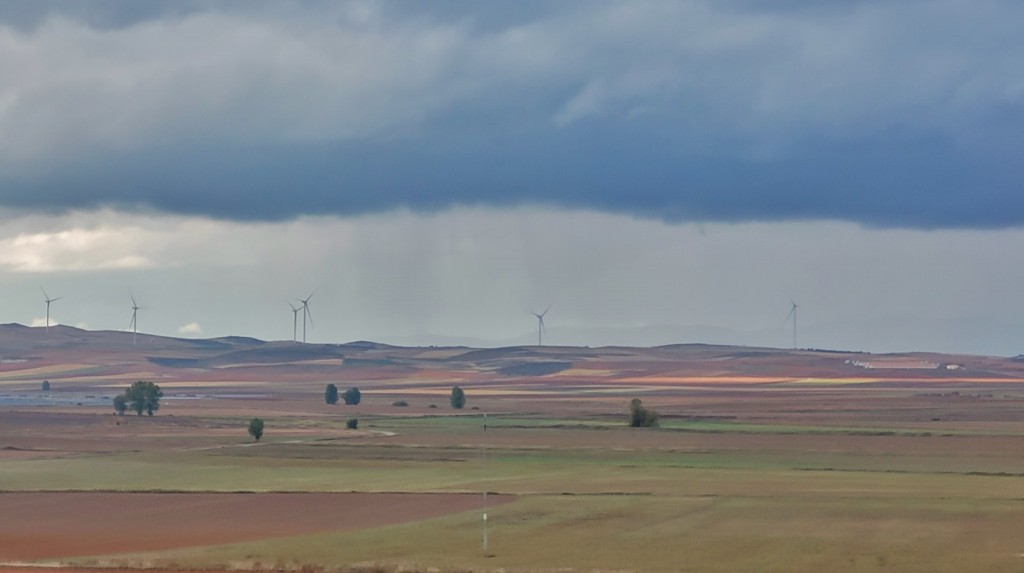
{"points": [[53, 525], [35, 569]]}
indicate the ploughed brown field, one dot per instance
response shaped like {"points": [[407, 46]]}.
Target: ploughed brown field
{"points": [[47, 525], [768, 442]]}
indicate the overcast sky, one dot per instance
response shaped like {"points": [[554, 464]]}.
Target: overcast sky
{"points": [[434, 172]]}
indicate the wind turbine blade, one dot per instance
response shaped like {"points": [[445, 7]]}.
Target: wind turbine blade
{"points": [[789, 316], [309, 314]]}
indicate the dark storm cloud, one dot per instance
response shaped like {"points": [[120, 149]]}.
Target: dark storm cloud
{"points": [[98, 13], [886, 114]]}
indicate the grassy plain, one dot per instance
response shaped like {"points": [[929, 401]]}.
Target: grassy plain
{"points": [[762, 474], [668, 533], [711, 497]]}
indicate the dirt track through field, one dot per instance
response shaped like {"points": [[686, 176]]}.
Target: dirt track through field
{"points": [[51, 525]]}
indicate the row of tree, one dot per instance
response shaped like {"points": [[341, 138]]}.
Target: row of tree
{"points": [[352, 396], [144, 396]]}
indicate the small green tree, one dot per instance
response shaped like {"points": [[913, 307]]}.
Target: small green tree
{"points": [[352, 423], [46, 385], [352, 396], [144, 396], [256, 428], [641, 417], [331, 394], [120, 404], [458, 398]]}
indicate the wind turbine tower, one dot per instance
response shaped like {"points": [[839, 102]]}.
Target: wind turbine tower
{"points": [[48, 300], [540, 326], [305, 314], [134, 324], [295, 321], [792, 314]]}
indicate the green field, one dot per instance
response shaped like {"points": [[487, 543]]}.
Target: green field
{"points": [[594, 495], [665, 533]]}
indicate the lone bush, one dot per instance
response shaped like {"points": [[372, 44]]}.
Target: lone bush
{"points": [[256, 428], [400, 403], [46, 385], [331, 394], [641, 417], [352, 423], [352, 396], [458, 398]]}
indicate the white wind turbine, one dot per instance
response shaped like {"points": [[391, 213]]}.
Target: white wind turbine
{"points": [[134, 324], [295, 321], [305, 314], [48, 300], [540, 326], [792, 313]]}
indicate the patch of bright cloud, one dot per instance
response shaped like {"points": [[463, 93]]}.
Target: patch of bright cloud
{"points": [[105, 241], [76, 249], [191, 329]]}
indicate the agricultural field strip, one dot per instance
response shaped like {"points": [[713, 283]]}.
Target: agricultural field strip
{"points": [[475, 421], [61, 524], [539, 457], [57, 372], [200, 384], [469, 422], [512, 470], [684, 483]]}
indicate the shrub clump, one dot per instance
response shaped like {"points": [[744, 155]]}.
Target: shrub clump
{"points": [[256, 428], [352, 396], [400, 403], [641, 417], [352, 423]]}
